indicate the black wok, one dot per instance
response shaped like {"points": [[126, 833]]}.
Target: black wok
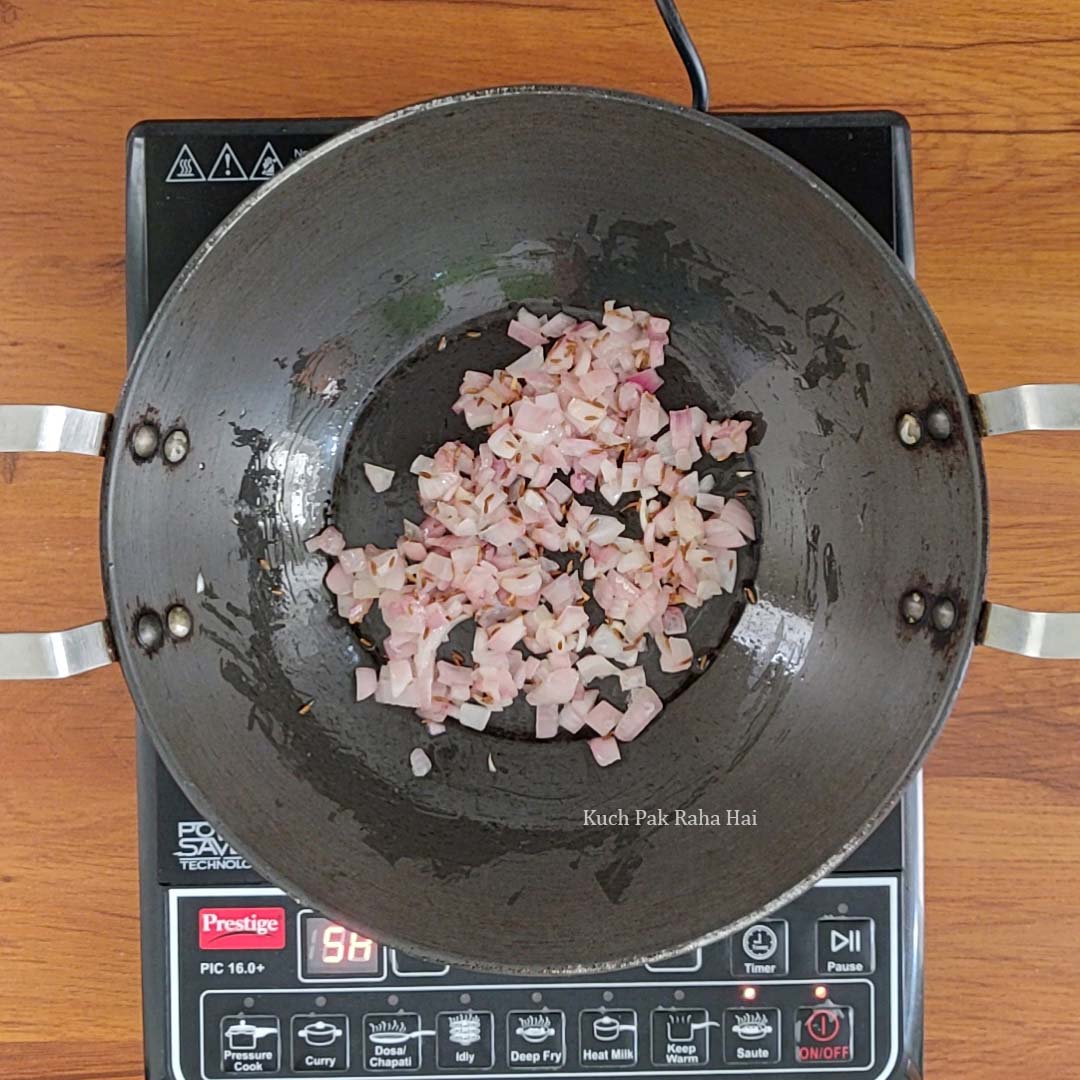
{"points": [[301, 341]]}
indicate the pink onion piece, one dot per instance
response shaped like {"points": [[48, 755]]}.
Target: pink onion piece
{"points": [[366, 681], [378, 477], [419, 762], [330, 541], [734, 513], [603, 717], [644, 706], [605, 751], [547, 721]]}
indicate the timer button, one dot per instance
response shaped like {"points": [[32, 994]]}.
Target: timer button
{"points": [[761, 949]]}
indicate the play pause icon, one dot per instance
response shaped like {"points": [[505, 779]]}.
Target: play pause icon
{"points": [[845, 941]]}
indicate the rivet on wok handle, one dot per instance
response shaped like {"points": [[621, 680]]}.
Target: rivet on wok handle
{"points": [[943, 614], [913, 607], [939, 423], [909, 428], [179, 621], [176, 446], [144, 441], [149, 631]]}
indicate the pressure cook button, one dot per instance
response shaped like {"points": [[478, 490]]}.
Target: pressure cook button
{"points": [[250, 1044], [761, 949], [607, 1037], [751, 1036], [680, 1038], [465, 1040], [845, 946], [536, 1039], [320, 1043], [823, 1034], [392, 1042]]}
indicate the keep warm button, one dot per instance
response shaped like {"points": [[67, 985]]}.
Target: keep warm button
{"points": [[845, 946], [823, 1033]]}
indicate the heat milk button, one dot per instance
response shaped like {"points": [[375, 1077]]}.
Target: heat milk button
{"points": [[607, 1037]]}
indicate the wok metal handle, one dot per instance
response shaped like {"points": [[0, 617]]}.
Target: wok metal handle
{"points": [[54, 429], [1035, 407], [60, 653]]}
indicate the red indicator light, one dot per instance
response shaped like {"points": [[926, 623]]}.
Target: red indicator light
{"points": [[821, 992], [749, 993]]}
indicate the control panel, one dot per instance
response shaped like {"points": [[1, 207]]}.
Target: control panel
{"points": [[260, 985]]}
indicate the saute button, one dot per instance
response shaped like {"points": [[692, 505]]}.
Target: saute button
{"points": [[536, 1039], [823, 1033], [607, 1037], [761, 949], [680, 1038], [320, 1043], [845, 946], [392, 1042], [250, 1044], [465, 1040], [751, 1036]]}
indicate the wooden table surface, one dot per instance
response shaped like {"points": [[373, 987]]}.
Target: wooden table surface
{"points": [[992, 91]]}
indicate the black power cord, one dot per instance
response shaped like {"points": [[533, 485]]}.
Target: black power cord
{"points": [[680, 37]]}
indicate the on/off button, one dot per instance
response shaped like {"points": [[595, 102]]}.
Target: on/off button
{"points": [[823, 1033]]}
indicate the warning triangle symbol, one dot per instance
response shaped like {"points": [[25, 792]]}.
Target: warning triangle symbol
{"points": [[227, 166], [268, 164], [185, 169]]}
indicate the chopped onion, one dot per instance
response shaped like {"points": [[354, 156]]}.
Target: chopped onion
{"points": [[366, 681], [605, 751], [330, 541], [420, 762], [576, 414], [603, 717], [379, 478], [644, 706]]}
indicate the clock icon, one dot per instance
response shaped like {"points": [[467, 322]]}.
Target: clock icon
{"points": [[760, 942]]}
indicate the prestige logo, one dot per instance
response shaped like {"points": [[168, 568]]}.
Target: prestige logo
{"points": [[242, 928]]}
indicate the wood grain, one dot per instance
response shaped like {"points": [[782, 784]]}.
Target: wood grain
{"points": [[992, 90]]}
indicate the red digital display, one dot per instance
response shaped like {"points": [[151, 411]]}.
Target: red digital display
{"points": [[332, 949]]}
